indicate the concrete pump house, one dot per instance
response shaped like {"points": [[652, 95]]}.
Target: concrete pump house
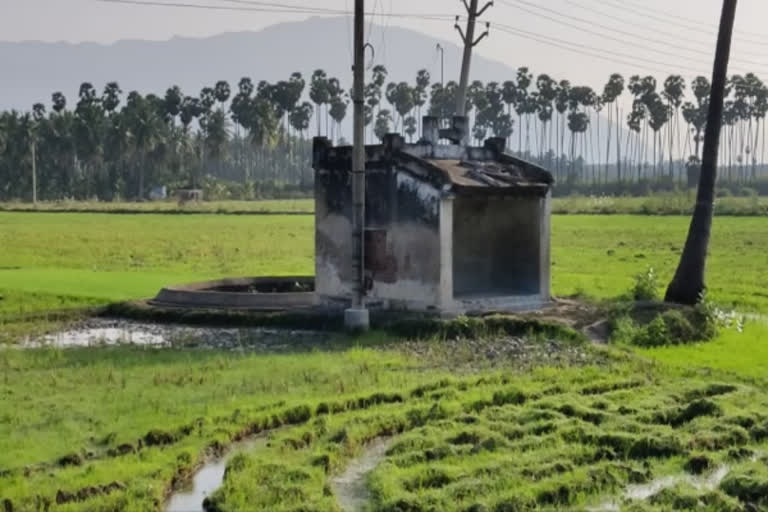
{"points": [[450, 228]]}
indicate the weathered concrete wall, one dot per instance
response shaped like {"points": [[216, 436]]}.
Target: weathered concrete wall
{"points": [[333, 235], [497, 246], [411, 245], [402, 239]]}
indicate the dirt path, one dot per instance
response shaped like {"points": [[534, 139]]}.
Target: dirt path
{"points": [[351, 487]]}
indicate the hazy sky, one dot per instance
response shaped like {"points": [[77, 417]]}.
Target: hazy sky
{"points": [[672, 36]]}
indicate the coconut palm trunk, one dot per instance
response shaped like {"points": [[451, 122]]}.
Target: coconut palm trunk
{"points": [[688, 283]]}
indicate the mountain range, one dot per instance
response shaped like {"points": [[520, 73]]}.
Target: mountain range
{"points": [[32, 71]]}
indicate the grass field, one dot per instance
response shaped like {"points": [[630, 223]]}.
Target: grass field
{"points": [[250, 207], [664, 203], [54, 260], [113, 429], [118, 426]]}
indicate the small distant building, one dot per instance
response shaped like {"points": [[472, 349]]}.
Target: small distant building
{"points": [[449, 228], [158, 193]]}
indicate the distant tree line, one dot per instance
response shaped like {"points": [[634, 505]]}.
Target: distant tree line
{"points": [[255, 140]]}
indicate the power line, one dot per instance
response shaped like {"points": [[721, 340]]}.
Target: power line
{"points": [[279, 5], [618, 31], [624, 21], [154, 3], [257, 7], [601, 51], [590, 51], [644, 13], [674, 35], [549, 42], [711, 26], [370, 25]]}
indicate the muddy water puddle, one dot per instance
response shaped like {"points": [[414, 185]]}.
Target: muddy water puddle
{"points": [[104, 333], [351, 487], [642, 492], [208, 479]]}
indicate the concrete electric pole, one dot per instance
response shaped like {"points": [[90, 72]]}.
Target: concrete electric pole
{"points": [[469, 42], [34, 173], [357, 317], [441, 50]]}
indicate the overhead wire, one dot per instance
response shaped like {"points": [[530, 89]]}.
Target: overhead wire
{"points": [[657, 66], [623, 20], [709, 25], [593, 52], [624, 33], [567, 44], [646, 13], [370, 24], [254, 6], [384, 31]]}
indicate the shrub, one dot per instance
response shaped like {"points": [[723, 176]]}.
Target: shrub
{"points": [[748, 487], [646, 286], [747, 192], [654, 334], [679, 328], [623, 330], [723, 192], [698, 464]]}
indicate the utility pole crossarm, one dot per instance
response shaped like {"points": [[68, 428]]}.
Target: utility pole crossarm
{"points": [[484, 35], [468, 38], [485, 8], [460, 30]]}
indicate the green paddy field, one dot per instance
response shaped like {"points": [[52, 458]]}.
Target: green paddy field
{"points": [[577, 426]]}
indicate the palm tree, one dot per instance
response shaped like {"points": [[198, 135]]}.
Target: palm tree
{"points": [[300, 118], [221, 92], [423, 79], [383, 120], [145, 126], [674, 90], [547, 94], [688, 285], [659, 115], [759, 111], [613, 89], [60, 138], [696, 114], [89, 130], [509, 96], [59, 102], [172, 103], [495, 115], [216, 133], [411, 127], [561, 105], [338, 111], [400, 96], [523, 105], [207, 98], [319, 94], [578, 122], [477, 97], [111, 97]]}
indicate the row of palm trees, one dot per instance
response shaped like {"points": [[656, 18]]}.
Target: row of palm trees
{"points": [[114, 146], [576, 130], [109, 146]]}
